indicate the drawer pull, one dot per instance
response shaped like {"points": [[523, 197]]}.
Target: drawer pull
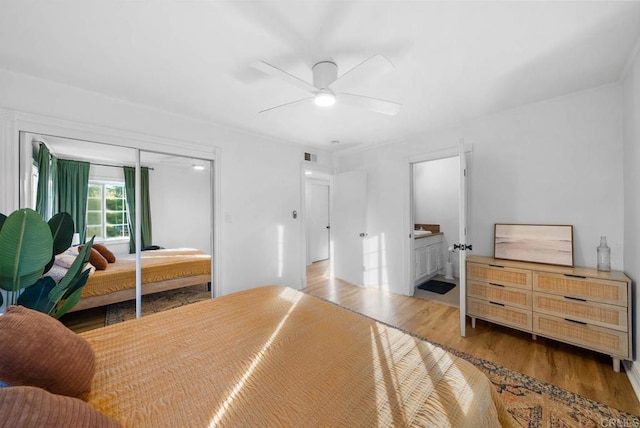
{"points": [[495, 303], [497, 285], [574, 321], [498, 266], [575, 276], [575, 298]]}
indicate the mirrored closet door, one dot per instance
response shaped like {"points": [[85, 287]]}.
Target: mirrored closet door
{"points": [[97, 184]]}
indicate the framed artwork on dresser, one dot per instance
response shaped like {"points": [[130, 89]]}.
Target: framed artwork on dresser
{"points": [[539, 243]]}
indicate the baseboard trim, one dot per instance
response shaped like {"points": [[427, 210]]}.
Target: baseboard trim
{"points": [[633, 373]]}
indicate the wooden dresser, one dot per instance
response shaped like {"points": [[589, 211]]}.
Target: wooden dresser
{"points": [[581, 306]]}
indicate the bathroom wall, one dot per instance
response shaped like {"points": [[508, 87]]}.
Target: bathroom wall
{"points": [[436, 199]]}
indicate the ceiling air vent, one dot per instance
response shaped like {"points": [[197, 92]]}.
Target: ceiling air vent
{"points": [[311, 157]]}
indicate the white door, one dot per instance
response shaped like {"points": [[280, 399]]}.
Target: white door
{"points": [[348, 226], [318, 222], [463, 239]]}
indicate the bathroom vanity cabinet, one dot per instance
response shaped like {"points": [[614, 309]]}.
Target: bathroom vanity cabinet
{"points": [[581, 306], [428, 256]]}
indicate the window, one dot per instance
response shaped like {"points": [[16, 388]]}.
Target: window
{"points": [[107, 211]]}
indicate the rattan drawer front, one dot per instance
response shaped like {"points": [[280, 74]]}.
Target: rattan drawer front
{"points": [[513, 277], [598, 338], [591, 289], [501, 314], [610, 316], [507, 295]]}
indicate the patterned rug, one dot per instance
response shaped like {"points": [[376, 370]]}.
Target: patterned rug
{"points": [[158, 302], [532, 403]]}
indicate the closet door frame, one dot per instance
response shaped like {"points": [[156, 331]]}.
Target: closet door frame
{"points": [[12, 123]]}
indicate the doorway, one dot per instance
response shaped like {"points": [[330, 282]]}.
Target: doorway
{"points": [[317, 186], [316, 234], [319, 229], [462, 156], [435, 211]]}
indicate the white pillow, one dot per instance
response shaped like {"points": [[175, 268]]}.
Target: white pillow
{"points": [[57, 272], [67, 258]]}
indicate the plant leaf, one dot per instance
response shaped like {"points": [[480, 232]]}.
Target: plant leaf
{"points": [[62, 229], [36, 296], [3, 218], [74, 278], [67, 304], [76, 283], [72, 295], [25, 248], [49, 265], [77, 266]]}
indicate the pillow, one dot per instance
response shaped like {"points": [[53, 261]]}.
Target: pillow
{"points": [[27, 406], [105, 252], [67, 258], [37, 350], [57, 272], [95, 258]]}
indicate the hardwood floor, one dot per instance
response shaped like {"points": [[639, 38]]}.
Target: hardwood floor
{"points": [[578, 370], [575, 369]]}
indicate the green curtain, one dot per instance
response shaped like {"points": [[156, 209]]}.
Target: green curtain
{"points": [[146, 237], [73, 189], [43, 203]]}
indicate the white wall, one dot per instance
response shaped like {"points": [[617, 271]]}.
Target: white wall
{"points": [[259, 184], [180, 206], [557, 162], [631, 164], [437, 200]]}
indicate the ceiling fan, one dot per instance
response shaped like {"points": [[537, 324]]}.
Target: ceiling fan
{"points": [[328, 88]]}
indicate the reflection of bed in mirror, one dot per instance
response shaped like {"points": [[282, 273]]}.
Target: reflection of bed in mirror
{"points": [[162, 270]]}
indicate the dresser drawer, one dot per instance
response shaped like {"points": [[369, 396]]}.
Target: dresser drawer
{"points": [[509, 296], [589, 336], [497, 274], [514, 317], [592, 289], [604, 315]]}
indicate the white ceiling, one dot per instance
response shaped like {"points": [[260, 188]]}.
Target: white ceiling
{"points": [[453, 60]]}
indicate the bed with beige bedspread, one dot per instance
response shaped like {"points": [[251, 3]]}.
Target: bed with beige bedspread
{"points": [[273, 356], [162, 270]]}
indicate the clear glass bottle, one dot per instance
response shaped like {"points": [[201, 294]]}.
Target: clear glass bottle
{"points": [[604, 255]]}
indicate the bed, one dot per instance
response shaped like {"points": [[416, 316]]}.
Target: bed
{"points": [[273, 356], [162, 270]]}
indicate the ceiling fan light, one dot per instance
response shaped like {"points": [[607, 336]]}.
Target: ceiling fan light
{"points": [[324, 98]]}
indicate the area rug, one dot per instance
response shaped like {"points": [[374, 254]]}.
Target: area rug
{"points": [[436, 286], [537, 404], [532, 403], [157, 302]]}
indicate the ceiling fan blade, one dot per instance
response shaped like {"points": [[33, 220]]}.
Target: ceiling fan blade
{"points": [[283, 75], [371, 67], [377, 105], [287, 104]]}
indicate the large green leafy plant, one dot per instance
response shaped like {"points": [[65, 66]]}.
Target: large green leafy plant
{"points": [[28, 246]]}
